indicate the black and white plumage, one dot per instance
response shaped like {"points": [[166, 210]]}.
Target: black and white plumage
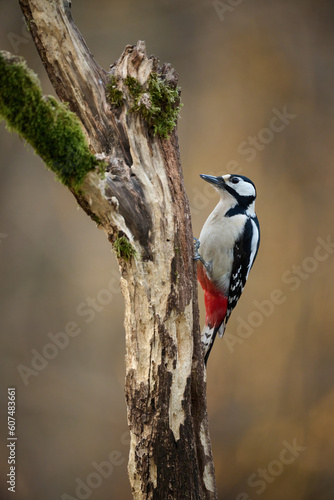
{"points": [[226, 250]]}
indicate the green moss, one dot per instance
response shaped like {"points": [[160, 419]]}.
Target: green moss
{"points": [[124, 249], [27, 24], [96, 219], [113, 93], [166, 105], [102, 168], [48, 126], [158, 103], [135, 88]]}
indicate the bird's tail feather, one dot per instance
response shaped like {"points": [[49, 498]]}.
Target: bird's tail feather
{"points": [[208, 337]]}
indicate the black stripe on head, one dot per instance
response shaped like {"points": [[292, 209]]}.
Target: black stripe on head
{"points": [[243, 200]]}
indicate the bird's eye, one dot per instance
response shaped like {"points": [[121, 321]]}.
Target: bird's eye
{"points": [[234, 180]]}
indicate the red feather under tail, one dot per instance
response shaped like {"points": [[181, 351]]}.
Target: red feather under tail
{"points": [[215, 301], [215, 307]]}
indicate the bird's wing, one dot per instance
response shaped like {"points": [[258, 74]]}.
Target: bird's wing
{"points": [[241, 265], [236, 281]]}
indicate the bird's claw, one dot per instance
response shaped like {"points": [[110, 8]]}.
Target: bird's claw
{"points": [[207, 265], [197, 244]]}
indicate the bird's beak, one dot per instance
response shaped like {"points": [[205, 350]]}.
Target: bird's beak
{"points": [[216, 181]]}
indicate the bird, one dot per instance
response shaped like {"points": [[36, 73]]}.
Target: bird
{"points": [[225, 252]]}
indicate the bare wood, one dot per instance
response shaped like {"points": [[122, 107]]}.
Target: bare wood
{"points": [[143, 198]]}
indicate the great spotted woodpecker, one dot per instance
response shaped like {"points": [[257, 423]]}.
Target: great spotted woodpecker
{"points": [[226, 250]]}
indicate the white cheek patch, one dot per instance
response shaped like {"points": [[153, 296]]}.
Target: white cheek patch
{"points": [[243, 188]]}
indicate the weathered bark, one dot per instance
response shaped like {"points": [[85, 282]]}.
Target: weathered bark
{"points": [[141, 197]]}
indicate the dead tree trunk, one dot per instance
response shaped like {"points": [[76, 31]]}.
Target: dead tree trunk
{"points": [[128, 116]]}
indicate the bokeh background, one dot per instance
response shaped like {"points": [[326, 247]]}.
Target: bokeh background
{"points": [[270, 380]]}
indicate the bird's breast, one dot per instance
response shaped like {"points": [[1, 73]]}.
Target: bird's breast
{"points": [[217, 239]]}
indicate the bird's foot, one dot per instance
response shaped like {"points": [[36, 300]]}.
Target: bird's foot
{"points": [[198, 256], [197, 244]]}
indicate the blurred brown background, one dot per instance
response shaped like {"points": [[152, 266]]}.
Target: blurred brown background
{"points": [[270, 381]]}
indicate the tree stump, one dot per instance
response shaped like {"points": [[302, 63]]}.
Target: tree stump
{"points": [[128, 116]]}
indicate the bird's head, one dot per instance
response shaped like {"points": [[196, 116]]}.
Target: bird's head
{"points": [[238, 188]]}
